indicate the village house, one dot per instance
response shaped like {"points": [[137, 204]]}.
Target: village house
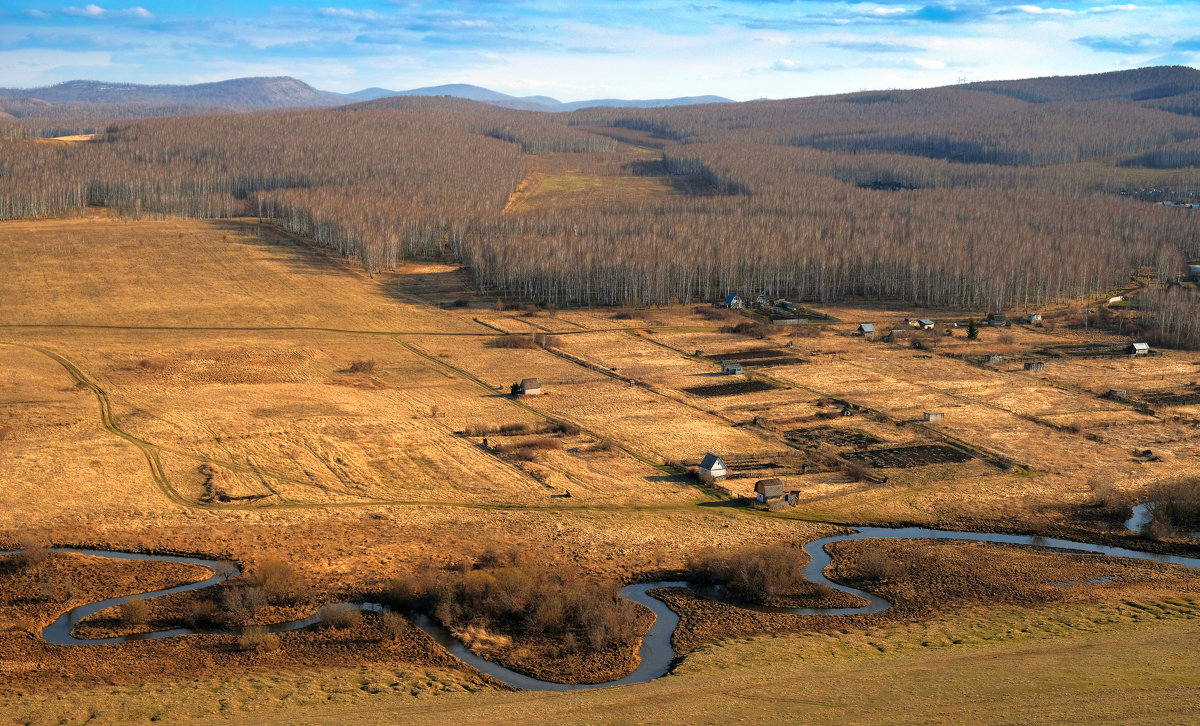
{"points": [[733, 301], [531, 386], [762, 301], [997, 320], [925, 324], [934, 417], [1138, 349], [773, 493], [731, 368], [1033, 318], [712, 467], [866, 330]]}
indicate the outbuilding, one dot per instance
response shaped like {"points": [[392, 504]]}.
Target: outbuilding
{"points": [[934, 417], [531, 386], [925, 324], [733, 301], [1138, 349], [993, 358], [997, 320], [1033, 318], [773, 493], [866, 330], [731, 368], [1036, 366], [713, 467]]}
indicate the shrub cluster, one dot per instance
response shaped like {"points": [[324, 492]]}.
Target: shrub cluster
{"points": [[521, 599], [759, 575]]}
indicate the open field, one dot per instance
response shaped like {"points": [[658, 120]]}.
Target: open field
{"points": [[225, 389]]}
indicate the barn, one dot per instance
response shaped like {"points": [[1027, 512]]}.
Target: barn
{"points": [[531, 386], [1138, 349]]}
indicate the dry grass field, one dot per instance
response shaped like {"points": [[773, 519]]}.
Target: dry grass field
{"points": [[221, 388]]}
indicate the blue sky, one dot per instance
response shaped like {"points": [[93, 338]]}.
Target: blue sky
{"points": [[741, 49]]}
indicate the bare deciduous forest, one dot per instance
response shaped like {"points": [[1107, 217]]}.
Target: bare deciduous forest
{"points": [[991, 195]]}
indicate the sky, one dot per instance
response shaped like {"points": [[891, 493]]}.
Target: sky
{"points": [[740, 49]]}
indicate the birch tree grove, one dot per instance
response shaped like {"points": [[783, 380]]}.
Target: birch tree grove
{"points": [[962, 196]]}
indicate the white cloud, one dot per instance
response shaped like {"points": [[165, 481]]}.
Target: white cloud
{"points": [[348, 14], [929, 65], [95, 11], [1035, 10]]}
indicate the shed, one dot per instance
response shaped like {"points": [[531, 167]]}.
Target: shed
{"points": [[768, 489], [1138, 349], [898, 335], [1116, 299], [713, 466], [733, 301], [997, 319], [993, 358], [731, 368], [1194, 270], [1118, 393], [934, 416], [531, 386], [1035, 365], [1033, 318], [867, 330], [925, 324], [762, 301]]}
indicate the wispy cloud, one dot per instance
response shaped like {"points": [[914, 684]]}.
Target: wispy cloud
{"points": [[95, 11]]}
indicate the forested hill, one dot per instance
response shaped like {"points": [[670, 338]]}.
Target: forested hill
{"points": [[949, 196]]}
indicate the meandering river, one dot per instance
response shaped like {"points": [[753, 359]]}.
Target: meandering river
{"points": [[656, 651]]}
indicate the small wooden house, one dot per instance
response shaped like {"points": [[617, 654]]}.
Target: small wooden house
{"points": [[733, 301], [1138, 349], [866, 330], [531, 386], [773, 493], [1036, 366], [925, 324], [993, 358], [712, 466], [1033, 318], [1118, 393], [898, 335], [762, 301], [934, 417], [997, 320], [731, 368], [768, 489]]}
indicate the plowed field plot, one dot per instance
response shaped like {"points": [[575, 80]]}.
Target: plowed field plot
{"points": [[907, 457], [1171, 398], [745, 355], [768, 362], [852, 438], [730, 389]]}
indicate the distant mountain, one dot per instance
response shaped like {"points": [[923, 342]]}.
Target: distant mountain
{"points": [[527, 103], [246, 93], [99, 99]]}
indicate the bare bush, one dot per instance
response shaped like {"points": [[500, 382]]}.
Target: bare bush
{"points": [[874, 565], [340, 615], [713, 314], [858, 471], [135, 611], [362, 366], [750, 328], [278, 581], [395, 625], [512, 340], [256, 638], [32, 554]]}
